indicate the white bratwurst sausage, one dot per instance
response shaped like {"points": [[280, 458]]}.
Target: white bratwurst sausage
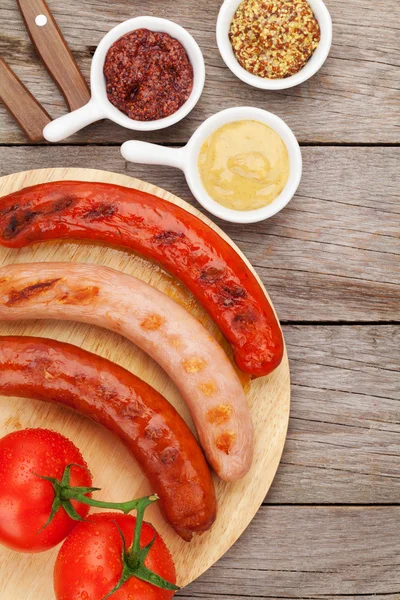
{"points": [[159, 326]]}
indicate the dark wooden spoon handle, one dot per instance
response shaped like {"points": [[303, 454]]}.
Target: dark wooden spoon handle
{"points": [[54, 52], [29, 114]]}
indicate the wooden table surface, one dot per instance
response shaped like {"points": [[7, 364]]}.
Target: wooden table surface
{"points": [[330, 526]]}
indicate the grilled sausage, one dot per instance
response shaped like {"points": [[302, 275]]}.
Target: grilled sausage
{"points": [[146, 422], [159, 326], [183, 244]]}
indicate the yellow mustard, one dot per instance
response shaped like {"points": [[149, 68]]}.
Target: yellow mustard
{"points": [[244, 165]]}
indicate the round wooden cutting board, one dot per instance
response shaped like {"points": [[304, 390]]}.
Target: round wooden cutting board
{"points": [[29, 577]]}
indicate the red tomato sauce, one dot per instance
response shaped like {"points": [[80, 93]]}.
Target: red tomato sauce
{"points": [[148, 75]]}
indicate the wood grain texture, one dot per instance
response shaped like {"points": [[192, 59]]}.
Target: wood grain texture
{"points": [[54, 52], [310, 553], [354, 98], [331, 255], [25, 109], [343, 444], [268, 398]]}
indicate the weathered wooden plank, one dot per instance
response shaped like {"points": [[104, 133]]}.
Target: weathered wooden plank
{"points": [[310, 552], [331, 255], [343, 444], [354, 98]]}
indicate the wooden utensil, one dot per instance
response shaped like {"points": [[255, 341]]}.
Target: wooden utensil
{"points": [[54, 52], [113, 469], [27, 111]]}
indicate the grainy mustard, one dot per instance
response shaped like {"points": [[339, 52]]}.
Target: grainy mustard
{"points": [[274, 39]]}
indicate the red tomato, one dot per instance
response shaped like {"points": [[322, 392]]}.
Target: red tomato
{"points": [[25, 499], [89, 563]]}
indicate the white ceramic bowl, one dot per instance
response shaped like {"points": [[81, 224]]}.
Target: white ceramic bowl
{"points": [[99, 107], [186, 159], [225, 17]]}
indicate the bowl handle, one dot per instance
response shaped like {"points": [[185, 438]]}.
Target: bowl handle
{"points": [[68, 124], [152, 154]]}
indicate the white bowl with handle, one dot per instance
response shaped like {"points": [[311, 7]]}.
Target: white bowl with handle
{"points": [[226, 14], [186, 159], [99, 107]]}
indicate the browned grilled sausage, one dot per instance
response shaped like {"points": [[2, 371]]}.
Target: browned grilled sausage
{"points": [[142, 418], [183, 244]]}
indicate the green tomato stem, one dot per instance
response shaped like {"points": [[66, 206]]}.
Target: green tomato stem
{"points": [[125, 507]]}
